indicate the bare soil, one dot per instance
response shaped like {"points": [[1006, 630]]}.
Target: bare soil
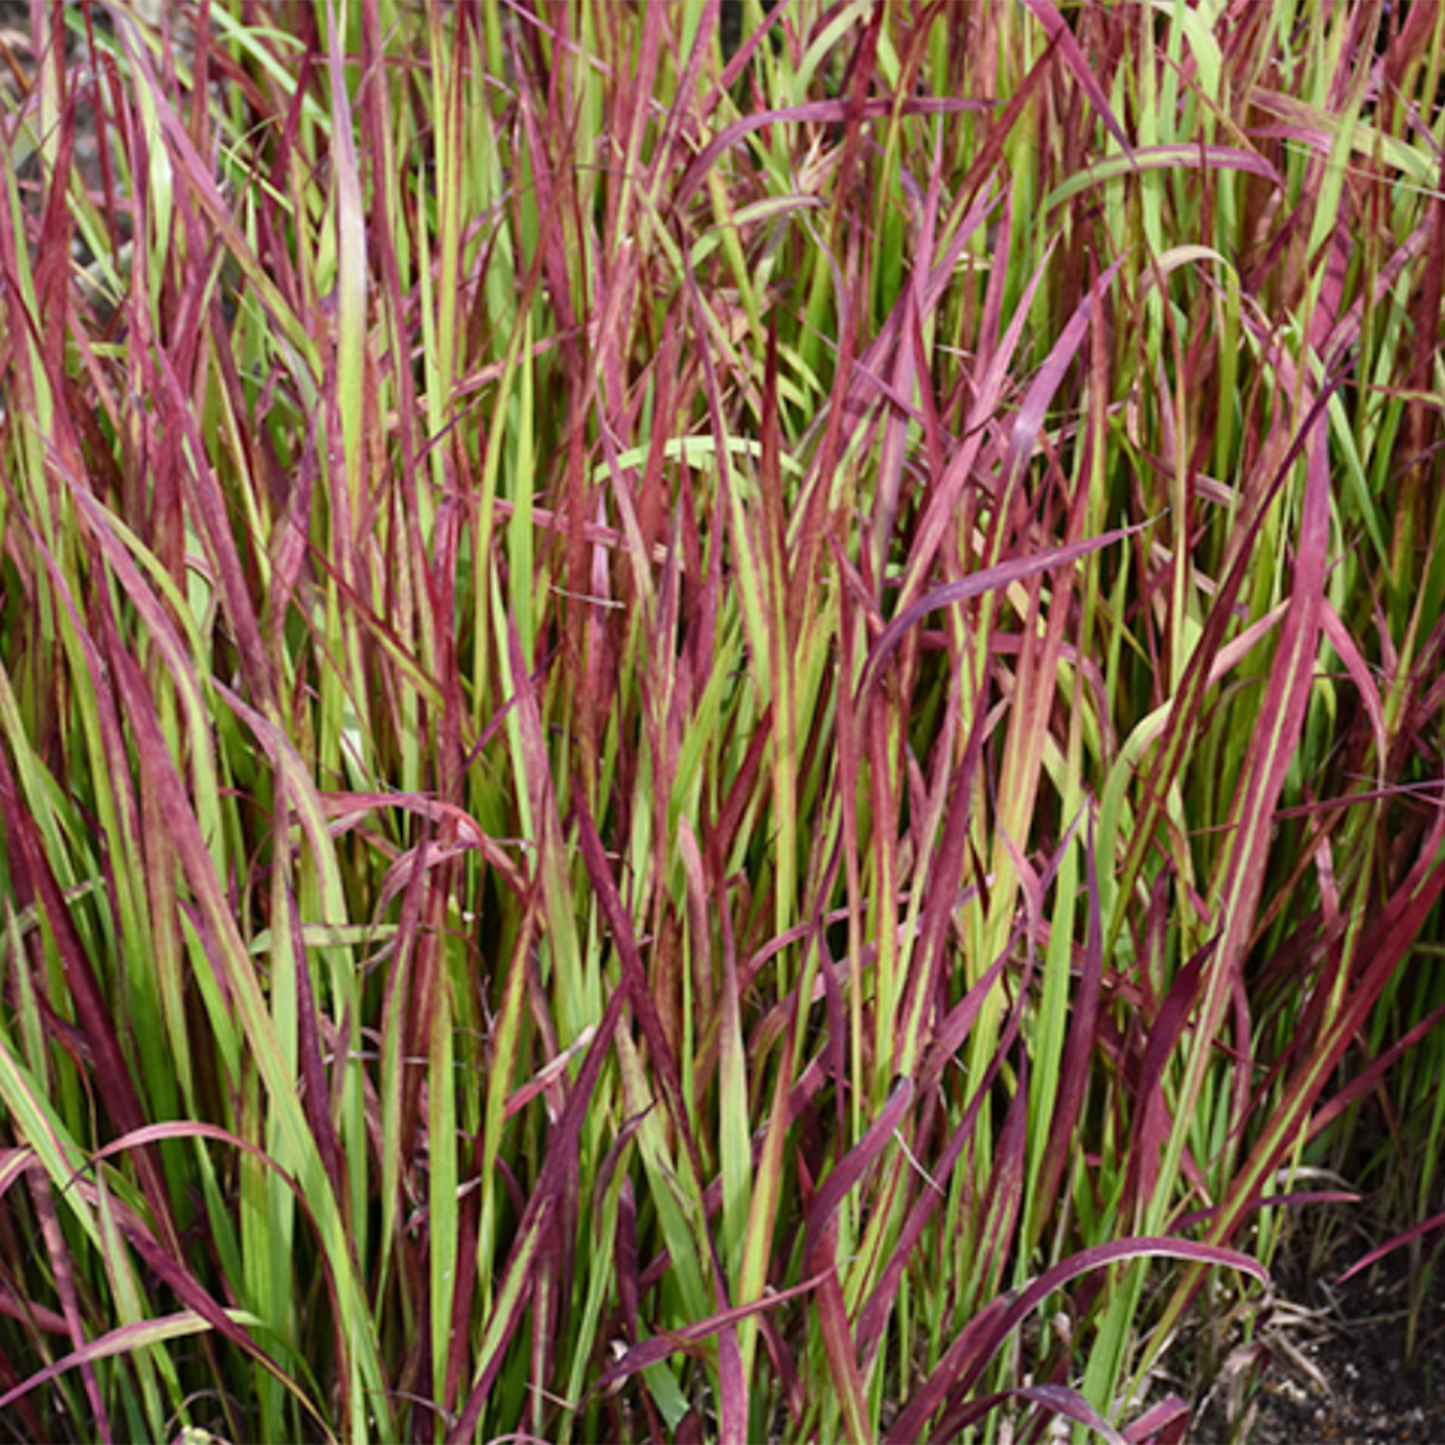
{"points": [[1327, 1367]]}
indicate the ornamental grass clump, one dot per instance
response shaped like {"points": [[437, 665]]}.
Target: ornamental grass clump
{"points": [[707, 739]]}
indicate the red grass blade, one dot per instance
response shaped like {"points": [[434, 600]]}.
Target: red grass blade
{"points": [[1002, 574]]}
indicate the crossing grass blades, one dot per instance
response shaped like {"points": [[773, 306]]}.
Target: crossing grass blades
{"points": [[708, 741]]}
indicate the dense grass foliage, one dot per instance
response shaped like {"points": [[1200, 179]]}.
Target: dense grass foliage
{"points": [[708, 737]]}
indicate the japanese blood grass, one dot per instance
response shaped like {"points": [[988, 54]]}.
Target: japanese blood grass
{"points": [[703, 743]]}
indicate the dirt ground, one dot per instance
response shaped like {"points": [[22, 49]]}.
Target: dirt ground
{"points": [[1327, 1368]]}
